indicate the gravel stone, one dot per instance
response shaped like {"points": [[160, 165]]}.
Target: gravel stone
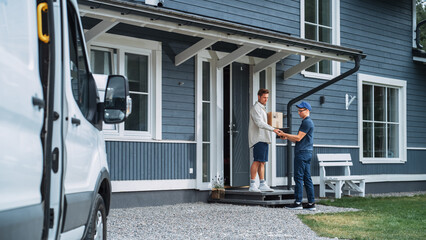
{"points": [[211, 221], [216, 221]]}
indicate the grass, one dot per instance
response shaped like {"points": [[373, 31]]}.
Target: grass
{"points": [[379, 218]]}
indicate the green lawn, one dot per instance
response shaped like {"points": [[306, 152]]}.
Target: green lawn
{"points": [[379, 218]]}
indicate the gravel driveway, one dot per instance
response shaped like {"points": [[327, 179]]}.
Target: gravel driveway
{"points": [[210, 221]]}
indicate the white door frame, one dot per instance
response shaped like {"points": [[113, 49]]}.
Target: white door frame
{"points": [[216, 100], [270, 84]]}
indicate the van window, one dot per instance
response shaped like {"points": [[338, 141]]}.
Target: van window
{"points": [[78, 64]]}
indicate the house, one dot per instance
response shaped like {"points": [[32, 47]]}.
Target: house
{"points": [[194, 68]]}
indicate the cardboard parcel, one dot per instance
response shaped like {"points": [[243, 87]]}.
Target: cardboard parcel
{"points": [[275, 119]]}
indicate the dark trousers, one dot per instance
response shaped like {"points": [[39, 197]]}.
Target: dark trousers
{"points": [[302, 175]]}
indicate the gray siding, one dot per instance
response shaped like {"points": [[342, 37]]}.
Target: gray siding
{"points": [[416, 163], [150, 161], [383, 30], [281, 16]]}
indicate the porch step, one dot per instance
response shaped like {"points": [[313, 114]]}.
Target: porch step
{"points": [[242, 196], [270, 203]]}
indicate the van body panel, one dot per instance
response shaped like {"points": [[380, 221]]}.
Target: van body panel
{"points": [[52, 151], [56, 178], [21, 153], [77, 207], [81, 141], [22, 223]]}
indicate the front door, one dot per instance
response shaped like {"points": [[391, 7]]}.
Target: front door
{"points": [[239, 119]]}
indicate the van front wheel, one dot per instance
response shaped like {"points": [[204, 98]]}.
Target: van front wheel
{"points": [[97, 225]]}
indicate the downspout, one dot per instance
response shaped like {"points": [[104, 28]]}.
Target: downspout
{"points": [[357, 59]]}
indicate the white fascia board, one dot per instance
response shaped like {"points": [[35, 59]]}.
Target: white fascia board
{"points": [[206, 33]]}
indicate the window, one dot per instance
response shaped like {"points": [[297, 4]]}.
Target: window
{"points": [[206, 120], [320, 22], [78, 65], [136, 70], [142, 67], [383, 119], [101, 61]]}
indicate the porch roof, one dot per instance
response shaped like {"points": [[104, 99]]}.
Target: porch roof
{"points": [[212, 30]]}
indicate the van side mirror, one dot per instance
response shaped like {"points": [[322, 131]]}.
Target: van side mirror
{"points": [[117, 102]]}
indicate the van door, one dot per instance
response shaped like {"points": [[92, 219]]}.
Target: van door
{"points": [[81, 137], [21, 111]]}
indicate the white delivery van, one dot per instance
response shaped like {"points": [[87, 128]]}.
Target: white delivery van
{"points": [[54, 179]]}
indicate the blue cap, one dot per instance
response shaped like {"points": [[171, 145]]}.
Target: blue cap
{"points": [[304, 104]]}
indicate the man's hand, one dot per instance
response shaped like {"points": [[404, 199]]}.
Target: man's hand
{"points": [[278, 132]]}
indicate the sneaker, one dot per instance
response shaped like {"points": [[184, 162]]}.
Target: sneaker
{"points": [[310, 207], [253, 188], [295, 206], [265, 188]]}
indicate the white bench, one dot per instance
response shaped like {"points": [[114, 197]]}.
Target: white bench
{"points": [[348, 183]]}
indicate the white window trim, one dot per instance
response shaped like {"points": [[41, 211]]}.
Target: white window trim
{"points": [[386, 82], [199, 121], [154, 51], [335, 5]]}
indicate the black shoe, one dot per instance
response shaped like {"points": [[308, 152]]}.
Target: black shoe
{"points": [[295, 206], [310, 206]]}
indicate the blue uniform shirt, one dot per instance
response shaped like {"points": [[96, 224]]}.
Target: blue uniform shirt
{"points": [[307, 142]]}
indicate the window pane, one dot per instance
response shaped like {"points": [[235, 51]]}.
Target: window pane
{"points": [[324, 8], [367, 110], [206, 162], [393, 105], [310, 11], [393, 141], [206, 122], [379, 104], [367, 139], [262, 79], [325, 35], [101, 62], [310, 32], [379, 140], [138, 120], [136, 70], [206, 81], [325, 66], [78, 65]]}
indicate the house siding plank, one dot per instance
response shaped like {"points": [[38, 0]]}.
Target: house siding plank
{"points": [[150, 161]]}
